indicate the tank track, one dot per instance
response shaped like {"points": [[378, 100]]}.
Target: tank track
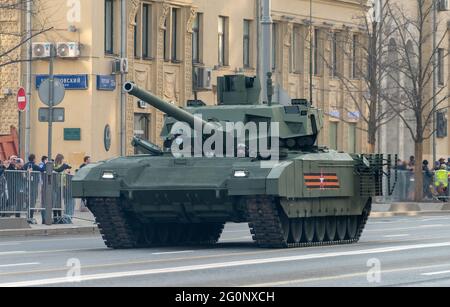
{"points": [[266, 227], [114, 226], [121, 230]]}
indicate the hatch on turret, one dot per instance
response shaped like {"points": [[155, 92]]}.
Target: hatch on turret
{"points": [[238, 90]]}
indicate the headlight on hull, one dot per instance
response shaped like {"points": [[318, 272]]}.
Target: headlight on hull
{"points": [[240, 174], [108, 175]]}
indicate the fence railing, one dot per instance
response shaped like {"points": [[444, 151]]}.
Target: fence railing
{"points": [[22, 194]]}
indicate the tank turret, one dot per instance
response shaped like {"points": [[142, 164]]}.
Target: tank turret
{"points": [[238, 102]]}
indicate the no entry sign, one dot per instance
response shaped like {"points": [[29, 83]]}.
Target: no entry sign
{"points": [[21, 99]]}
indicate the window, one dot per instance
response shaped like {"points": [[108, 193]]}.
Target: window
{"points": [[333, 133], [166, 42], [196, 38], [316, 53], [274, 45], [352, 138], [246, 43], [135, 35], [175, 16], [142, 127], [109, 26], [334, 57], [146, 30], [297, 50], [223, 22], [440, 68], [354, 67]]}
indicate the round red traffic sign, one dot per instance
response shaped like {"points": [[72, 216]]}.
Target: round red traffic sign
{"points": [[21, 99]]}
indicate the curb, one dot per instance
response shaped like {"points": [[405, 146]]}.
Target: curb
{"points": [[81, 230]]}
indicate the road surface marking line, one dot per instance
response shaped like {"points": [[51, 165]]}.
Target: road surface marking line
{"points": [[406, 228], [432, 226], [344, 276], [12, 253], [436, 273], [18, 264], [190, 268], [397, 236], [169, 253], [8, 244]]}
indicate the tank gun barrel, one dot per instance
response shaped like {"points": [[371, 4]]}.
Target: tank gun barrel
{"points": [[164, 106]]}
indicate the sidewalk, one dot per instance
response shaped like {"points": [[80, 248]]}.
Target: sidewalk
{"points": [[409, 209], [82, 224]]}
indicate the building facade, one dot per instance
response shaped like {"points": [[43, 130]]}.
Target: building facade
{"points": [[164, 41]]}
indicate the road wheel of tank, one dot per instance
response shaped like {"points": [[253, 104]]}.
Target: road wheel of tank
{"points": [[330, 229], [341, 227], [148, 234], [308, 229], [296, 231], [352, 226], [285, 225], [163, 233], [175, 234], [319, 229]]}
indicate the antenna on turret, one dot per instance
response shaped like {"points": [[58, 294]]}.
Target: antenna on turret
{"points": [[269, 88]]}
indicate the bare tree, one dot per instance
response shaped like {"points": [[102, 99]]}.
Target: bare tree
{"points": [[367, 55], [11, 53], [411, 73]]}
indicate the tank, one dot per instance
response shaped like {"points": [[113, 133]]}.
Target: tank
{"points": [[238, 161]]}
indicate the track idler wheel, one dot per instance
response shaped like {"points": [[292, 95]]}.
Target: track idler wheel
{"points": [[308, 230], [341, 227], [352, 226], [319, 229], [163, 233], [296, 230], [330, 228]]}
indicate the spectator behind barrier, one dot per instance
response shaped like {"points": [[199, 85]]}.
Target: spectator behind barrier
{"points": [[31, 164], [60, 166]]}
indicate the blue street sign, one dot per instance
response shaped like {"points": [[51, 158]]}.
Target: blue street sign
{"points": [[106, 83], [71, 82]]}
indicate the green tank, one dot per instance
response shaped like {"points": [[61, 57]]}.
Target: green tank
{"points": [[238, 161]]}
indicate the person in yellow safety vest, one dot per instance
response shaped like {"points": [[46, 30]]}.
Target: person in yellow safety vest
{"points": [[441, 181]]}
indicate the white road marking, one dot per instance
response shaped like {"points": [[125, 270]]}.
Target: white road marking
{"points": [[169, 253], [220, 265], [97, 238], [18, 264], [436, 273], [397, 236], [8, 244], [344, 276], [435, 219], [432, 226], [12, 253]]}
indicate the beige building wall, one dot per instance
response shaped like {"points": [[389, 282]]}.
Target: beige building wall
{"points": [[171, 78], [10, 29]]}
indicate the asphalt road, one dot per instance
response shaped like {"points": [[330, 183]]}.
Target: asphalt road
{"points": [[397, 251]]}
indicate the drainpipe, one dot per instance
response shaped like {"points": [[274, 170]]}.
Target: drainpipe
{"points": [[123, 96], [29, 79], [266, 45]]}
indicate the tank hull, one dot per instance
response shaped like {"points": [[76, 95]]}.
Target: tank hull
{"points": [[205, 193]]}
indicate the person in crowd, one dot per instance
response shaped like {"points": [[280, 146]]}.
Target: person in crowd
{"points": [[427, 180], [60, 165], [411, 163], [11, 164], [31, 164], [437, 165], [3, 187], [86, 161], [441, 182], [44, 160]]}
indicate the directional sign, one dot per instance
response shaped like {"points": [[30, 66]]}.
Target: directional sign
{"points": [[58, 94], [21, 99], [58, 115]]}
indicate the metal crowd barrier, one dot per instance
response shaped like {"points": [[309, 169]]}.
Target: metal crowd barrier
{"points": [[22, 193], [404, 190]]}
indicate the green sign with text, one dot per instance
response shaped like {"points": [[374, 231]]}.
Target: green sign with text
{"points": [[72, 134]]}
